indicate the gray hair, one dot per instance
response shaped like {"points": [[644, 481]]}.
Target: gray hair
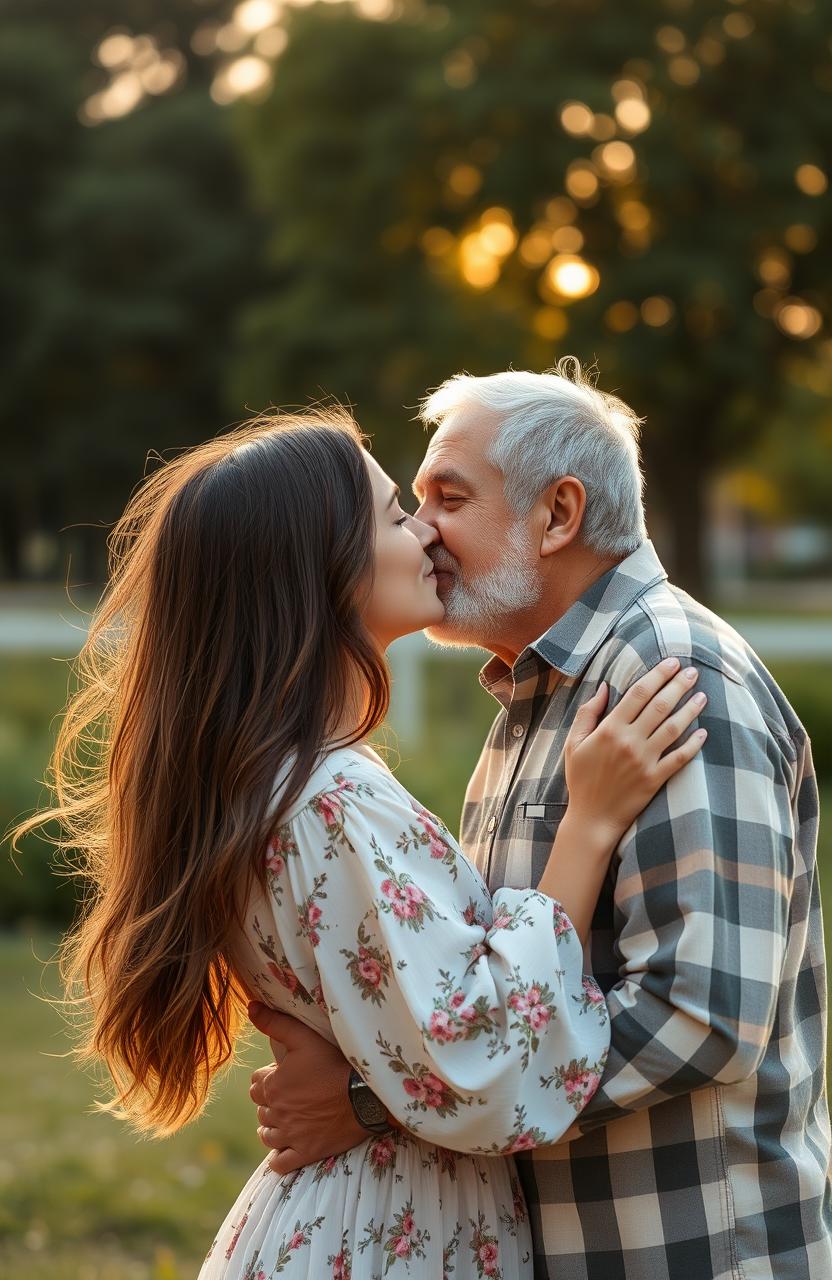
{"points": [[557, 424]]}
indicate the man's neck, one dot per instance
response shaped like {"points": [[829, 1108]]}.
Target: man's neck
{"points": [[565, 584]]}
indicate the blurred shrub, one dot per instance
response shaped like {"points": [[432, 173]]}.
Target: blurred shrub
{"points": [[32, 692], [808, 686], [457, 715]]}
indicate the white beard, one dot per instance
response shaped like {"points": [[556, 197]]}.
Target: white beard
{"points": [[475, 607]]}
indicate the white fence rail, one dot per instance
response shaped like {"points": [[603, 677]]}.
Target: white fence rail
{"points": [[28, 630], [808, 639]]}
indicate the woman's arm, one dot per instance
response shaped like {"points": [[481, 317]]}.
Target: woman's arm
{"points": [[455, 1021], [449, 1006], [613, 771]]}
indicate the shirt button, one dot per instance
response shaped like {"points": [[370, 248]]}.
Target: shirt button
{"points": [[518, 731], [492, 822]]}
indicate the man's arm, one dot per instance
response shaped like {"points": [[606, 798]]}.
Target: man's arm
{"points": [[302, 1104], [701, 914]]}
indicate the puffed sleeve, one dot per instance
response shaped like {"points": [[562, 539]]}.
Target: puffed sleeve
{"points": [[472, 1020]]}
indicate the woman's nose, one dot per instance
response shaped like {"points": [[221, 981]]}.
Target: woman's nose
{"points": [[426, 533]]}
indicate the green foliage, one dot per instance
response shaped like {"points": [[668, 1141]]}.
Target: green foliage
{"points": [[290, 231], [809, 689], [457, 715], [343, 154], [125, 251], [795, 451], [353, 156], [32, 692]]}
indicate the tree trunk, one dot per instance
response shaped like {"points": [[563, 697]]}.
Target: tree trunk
{"points": [[679, 488], [10, 566], [15, 522]]}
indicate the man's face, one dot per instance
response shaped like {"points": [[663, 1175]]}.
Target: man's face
{"points": [[486, 562]]}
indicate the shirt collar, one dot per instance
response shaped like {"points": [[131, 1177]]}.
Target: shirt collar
{"points": [[571, 642]]}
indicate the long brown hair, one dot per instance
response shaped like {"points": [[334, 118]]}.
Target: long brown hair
{"points": [[222, 651]]}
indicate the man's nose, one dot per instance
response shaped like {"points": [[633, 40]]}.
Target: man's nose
{"points": [[425, 532], [421, 515]]}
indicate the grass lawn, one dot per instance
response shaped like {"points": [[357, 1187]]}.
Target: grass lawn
{"points": [[80, 1197]]}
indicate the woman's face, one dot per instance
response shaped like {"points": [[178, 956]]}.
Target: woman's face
{"points": [[403, 598]]}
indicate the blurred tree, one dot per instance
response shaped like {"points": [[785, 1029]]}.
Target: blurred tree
{"points": [[795, 453], [343, 156], [508, 180], [125, 250], [495, 182]]}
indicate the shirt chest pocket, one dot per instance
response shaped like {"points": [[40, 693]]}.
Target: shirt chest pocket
{"points": [[534, 820], [533, 834]]}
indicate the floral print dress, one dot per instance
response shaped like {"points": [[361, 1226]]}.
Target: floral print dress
{"points": [[471, 1019]]}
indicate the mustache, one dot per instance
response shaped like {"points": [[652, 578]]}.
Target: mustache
{"points": [[442, 559]]}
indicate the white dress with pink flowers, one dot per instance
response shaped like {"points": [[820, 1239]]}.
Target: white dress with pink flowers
{"points": [[471, 1018]]}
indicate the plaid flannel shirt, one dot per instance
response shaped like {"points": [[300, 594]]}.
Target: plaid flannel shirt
{"points": [[705, 1152]]}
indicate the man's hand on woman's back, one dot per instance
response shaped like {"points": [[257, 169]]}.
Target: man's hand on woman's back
{"points": [[302, 1103]]}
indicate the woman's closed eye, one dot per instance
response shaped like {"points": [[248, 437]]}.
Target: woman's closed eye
{"points": [[402, 520]]}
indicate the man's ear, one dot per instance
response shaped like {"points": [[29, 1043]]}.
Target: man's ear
{"points": [[564, 503]]}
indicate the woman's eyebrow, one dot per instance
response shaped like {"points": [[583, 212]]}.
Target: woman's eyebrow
{"points": [[393, 496]]}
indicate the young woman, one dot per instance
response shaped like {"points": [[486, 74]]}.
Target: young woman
{"points": [[242, 839]]}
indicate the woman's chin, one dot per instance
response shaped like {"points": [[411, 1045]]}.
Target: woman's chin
{"points": [[432, 617], [434, 610]]}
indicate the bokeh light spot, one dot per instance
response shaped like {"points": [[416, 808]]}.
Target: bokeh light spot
{"points": [[621, 316], [633, 215], [536, 247], [800, 238], [255, 15], [498, 234], [576, 118], [581, 180], [633, 114], [437, 241], [738, 25], [114, 50], [567, 239], [571, 276], [774, 267], [603, 128], [465, 180], [811, 179], [616, 158], [561, 209], [479, 268], [683, 71], [657, 311], [797, 319], [670, 39]]}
